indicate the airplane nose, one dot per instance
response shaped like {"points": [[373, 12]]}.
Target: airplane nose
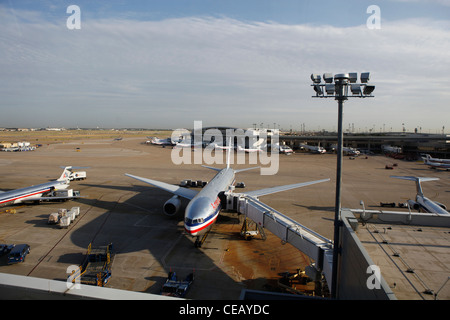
{"points": [[190, 232]]}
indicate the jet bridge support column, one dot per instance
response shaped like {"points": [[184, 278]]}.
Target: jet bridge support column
{"points": [[315, 246]]}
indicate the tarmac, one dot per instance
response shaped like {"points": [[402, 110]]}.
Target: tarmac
{"points": [[148, 244]]}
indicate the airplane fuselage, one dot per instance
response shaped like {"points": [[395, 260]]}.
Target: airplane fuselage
{"points": [[203, 209], [422, 203], [430, 206], [32, 193]]}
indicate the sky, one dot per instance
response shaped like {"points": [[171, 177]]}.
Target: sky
{"points": [[246, 63]]}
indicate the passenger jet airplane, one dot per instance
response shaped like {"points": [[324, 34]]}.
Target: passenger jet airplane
{"points": [[422, 203], [37, 192], [431, 159], [204, 206], [436, 163]]}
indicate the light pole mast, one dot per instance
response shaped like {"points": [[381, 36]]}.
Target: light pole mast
{"points": [[339, 91]]}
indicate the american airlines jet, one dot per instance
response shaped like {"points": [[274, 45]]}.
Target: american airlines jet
{"points": [[204, 206], [37, 192], [422, 203], [436, 163]]}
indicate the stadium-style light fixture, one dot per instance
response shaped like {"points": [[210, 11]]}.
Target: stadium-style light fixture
{"points": [[328, 77], [365, 76], [340, 92], [318, 89], [368, 89], [329, 88], [355, 88], [342, 85], [315, 78]]}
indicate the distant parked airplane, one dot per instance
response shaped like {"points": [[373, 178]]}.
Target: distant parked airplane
{"points": [[314, 149], [162, 142], [422, 203], [436, 163]]}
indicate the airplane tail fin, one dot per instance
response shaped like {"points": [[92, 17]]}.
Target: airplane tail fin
{"points": [[67, 172], [418, 180], [65, 176]]}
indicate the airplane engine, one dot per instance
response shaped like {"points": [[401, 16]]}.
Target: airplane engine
{"points": [[172, 206], [413, 205]]}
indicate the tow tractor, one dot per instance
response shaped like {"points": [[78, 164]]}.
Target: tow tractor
{"points": [[176, 288]]}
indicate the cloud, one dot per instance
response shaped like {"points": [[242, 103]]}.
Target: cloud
{"points": [[427, 2], [223, 71]]}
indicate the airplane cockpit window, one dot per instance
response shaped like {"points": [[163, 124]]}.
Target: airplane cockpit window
{"points": [[198, 220]]}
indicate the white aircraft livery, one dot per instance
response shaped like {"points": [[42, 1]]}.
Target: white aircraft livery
{"points": [[436, 163], [204, 206], [422, 203], [35, 193]]}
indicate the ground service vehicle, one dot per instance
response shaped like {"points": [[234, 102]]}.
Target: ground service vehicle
{"points": [[18, 253], [96, 269], [176, 288]]}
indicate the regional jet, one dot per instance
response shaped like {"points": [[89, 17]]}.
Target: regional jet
{"points": [[429, 158], [204, 206], [162, 142], [436, 163], [313, 149], [35, 193], [422, 203], [249, 150]]}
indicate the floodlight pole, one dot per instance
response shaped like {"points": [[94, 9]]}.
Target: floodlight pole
{"points": [[342, 84], [340, 96]]}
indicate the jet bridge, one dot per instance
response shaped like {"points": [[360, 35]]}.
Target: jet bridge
{"points": [[315, 246]]}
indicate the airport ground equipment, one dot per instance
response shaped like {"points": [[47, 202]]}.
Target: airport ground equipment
{"points": [[62, 195], [297, 283], [96, 268], [78, 175], [312, 244], [64, 217], [251, 229], [177, 288], [64, 222], [53, 218], [75, 175], [200, 240]]}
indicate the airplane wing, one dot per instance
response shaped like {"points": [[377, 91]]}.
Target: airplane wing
{"points": [[179, 191], [236, 171], [263, 192]]}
